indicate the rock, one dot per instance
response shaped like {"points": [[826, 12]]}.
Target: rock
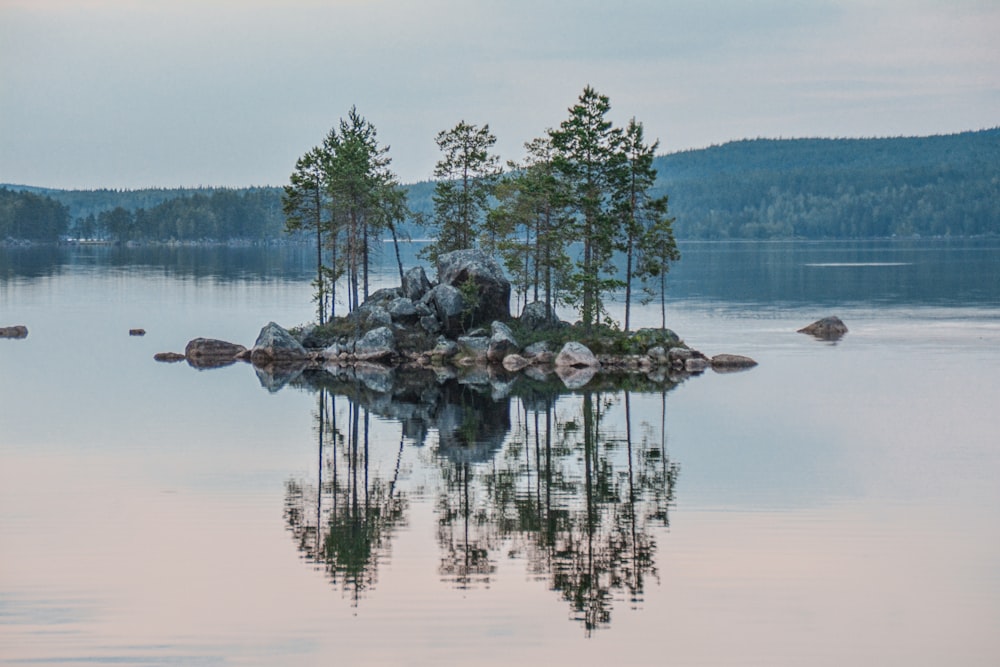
{"points": [[696, 364], [16, 331], [515, 363], [828, 328], [449, 306], [492, 287], [377, 344], [474, 347], [658, 355], [208, 352], [136, 332], [375, 317], [169, 357], [415, 283], [577, 355], [678, 356], [430, 324], [731, 362], [445, 349], [275, 344], [502, 342], [544, 358], [403, 310], [535, 349], [536, 315]]}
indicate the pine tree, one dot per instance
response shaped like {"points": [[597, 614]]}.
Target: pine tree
{"points": [[466, 173], [588, 160]]}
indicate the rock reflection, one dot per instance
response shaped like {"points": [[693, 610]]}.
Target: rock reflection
{"points": [[571, 483]]}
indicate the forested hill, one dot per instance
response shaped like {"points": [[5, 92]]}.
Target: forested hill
{"points": [[836, 188], [762, 188]]}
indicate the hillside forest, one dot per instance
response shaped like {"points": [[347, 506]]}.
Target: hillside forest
{"points": [[946, 185]]}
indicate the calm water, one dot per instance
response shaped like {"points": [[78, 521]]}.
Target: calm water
{"points": [[837, 504]]}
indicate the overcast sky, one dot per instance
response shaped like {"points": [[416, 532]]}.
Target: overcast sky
{"points": [[138, 93]]}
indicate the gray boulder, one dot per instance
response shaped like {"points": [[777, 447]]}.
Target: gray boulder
{"points": [[403, 310], [449, 307], [536, 315], [474, 347], [415, 283], [502, 342], [828, 328], [578, 355], [535, 349], [726, 362], [275, 344], [377, 344], [492, 287]]}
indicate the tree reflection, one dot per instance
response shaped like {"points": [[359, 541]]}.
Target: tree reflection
{"points": [[345, 522], [569, 483]]}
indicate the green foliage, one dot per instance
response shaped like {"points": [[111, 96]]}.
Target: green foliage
{"points": [[466, 175], [31, 217]]}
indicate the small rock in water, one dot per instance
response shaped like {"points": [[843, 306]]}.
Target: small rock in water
{"points": [[828, 328], [136, 332], [16, 331], [731, 362], [169, 357]]}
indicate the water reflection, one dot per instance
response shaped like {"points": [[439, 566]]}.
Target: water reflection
{"points": [[572, 484]]}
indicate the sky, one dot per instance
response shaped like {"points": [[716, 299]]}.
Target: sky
{"points": [[171, 93]]}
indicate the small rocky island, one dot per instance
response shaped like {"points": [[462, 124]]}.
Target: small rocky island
{"points": [[460, 323]]}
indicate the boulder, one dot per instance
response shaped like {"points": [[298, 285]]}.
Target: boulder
{"points": [[206, 352], [136, 332], [515, 363], [731, 362], [577, 355], [444, 349], [415, 283], [502, 342], [658, 355], [828, 328], [16, 331], [536, 315], [377, 344], [492, 287], [403, 310], [474, 347], [275, 344], [696, 364], [535, 349], [449, 307]]}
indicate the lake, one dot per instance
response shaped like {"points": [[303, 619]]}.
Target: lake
{"points": [[837, 504]]}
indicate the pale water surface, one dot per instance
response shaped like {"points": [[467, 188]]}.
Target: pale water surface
{"points": [[836, 505]]}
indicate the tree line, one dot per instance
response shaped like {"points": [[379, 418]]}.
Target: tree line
{"points": [[764, 188], [583, 192]]}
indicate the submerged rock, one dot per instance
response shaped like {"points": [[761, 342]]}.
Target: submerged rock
{"points": [[730, 362], [211, 352], [828, 328], [169, 357], [136, 332], [16, 331]]}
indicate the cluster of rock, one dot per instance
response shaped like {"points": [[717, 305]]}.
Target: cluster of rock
{"points": [[461, 321]]}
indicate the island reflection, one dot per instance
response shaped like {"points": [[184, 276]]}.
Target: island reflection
{"points": [[571, 483]]}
